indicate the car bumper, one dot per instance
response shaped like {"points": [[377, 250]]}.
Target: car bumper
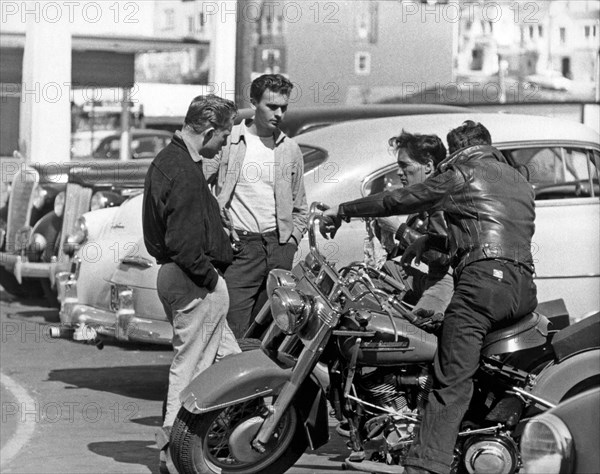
{"points": [[22, 268], [122, 324]]}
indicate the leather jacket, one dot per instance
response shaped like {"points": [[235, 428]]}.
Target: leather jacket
{"points": [[432, 224], [488, 205]]}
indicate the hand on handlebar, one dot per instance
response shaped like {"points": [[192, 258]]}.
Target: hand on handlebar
{"points": [[414, 251], [330, 222]]}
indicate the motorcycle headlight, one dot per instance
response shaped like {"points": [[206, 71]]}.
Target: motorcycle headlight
{"points": [[99, 201], [279, 278], [39, 197], [76, 238], [546, 446], [59, 204], [290, 309]]}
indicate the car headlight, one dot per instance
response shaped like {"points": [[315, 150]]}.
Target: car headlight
{"points": [[99, 201], [39, 196], [290, 309], [279, 278], [76, 238], [546, 446], [59, 204]]}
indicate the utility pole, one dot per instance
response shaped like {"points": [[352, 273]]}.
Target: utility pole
{"points": [[223, 49], [245, 55]]}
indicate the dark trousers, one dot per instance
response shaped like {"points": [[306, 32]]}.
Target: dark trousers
{"points": [[488, 294], [246, 277]]}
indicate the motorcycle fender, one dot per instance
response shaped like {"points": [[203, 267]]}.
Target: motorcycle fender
{"points": [[233, 380], [556, 380]]}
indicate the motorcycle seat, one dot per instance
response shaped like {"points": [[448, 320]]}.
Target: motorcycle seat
{"points": [[529, 331]]}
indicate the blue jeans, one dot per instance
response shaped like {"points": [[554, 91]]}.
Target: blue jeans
{"points": [[201, 335], [247, 276], [488, 293]]}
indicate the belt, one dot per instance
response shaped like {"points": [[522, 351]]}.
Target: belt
{"points": [[523, 265], [247, 235]]}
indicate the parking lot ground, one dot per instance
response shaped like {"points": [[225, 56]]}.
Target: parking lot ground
{"points": [[90, 411]]}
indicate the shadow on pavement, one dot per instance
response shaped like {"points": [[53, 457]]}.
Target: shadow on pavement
{"points": [[140, 452], [148, 421], [49, 315], [144, 382]]}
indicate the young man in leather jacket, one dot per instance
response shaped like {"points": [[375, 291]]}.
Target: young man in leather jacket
{"points": [[489, 208], [418, 156]]}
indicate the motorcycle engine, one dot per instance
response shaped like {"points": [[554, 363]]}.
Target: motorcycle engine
{"points": [[491, 455]]}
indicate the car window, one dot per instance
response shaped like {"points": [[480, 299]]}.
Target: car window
{"points": [[558, 172], [384, 180], [313, 157]]}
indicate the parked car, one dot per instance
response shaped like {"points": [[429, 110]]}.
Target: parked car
{"points": [[145, 143], [113, 284], [553, 80], [44, 203], [565, 439], [301, 120], [39, 255]]}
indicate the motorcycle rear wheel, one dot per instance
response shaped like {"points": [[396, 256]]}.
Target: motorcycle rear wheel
{"points": [[200, 442]]}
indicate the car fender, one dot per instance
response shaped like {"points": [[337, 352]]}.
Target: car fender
{"points": [[556, 380]]}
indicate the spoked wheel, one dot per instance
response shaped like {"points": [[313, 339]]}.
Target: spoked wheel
{"points": [[220, 441]]}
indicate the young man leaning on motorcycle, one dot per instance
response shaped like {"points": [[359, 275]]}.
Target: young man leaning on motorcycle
{"points": [[490, 227]]}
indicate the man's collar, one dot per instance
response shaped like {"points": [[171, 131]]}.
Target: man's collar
{"points": [[239, 132], [191, 150]]}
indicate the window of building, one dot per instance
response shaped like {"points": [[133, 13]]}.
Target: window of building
{"points": [[531, 32], [190, 22], [169, 18], [362, 63], [540, 31], [201, 22], [586, 31], [562, 32]]}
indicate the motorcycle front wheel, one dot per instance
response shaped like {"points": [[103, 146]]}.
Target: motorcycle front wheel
{"points": [[202, 443]]}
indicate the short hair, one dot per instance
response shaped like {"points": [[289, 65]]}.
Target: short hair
{"points": [[468, 134], [273, 82], [420, 147], [209, 110]]}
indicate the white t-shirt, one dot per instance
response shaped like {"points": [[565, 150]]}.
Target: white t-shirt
{"points": [[253, 201]]}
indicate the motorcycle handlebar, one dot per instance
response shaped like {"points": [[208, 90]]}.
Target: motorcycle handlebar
{"points": [[316, 209]]}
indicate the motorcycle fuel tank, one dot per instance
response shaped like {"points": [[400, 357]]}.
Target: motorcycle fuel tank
{"points": [[395, 342]]}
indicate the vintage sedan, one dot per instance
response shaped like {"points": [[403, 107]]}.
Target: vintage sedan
{"points": [[113, 284], [145, 143], [564, 440], [44, 203], [32, 252]]}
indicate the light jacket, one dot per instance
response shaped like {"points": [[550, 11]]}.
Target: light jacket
{"points": [[290, 196]]}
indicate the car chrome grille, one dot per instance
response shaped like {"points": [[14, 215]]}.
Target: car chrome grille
{"points": [[77, 202], [20, 205]]}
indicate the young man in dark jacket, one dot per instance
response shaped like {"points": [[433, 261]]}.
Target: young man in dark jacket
{"points": [[182, 230], [489, 209]]}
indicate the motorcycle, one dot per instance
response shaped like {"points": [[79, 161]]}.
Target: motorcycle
{"points": [[259, 411]]}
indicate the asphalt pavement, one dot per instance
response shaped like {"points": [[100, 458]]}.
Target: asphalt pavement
{"points": [[71, 408]]}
